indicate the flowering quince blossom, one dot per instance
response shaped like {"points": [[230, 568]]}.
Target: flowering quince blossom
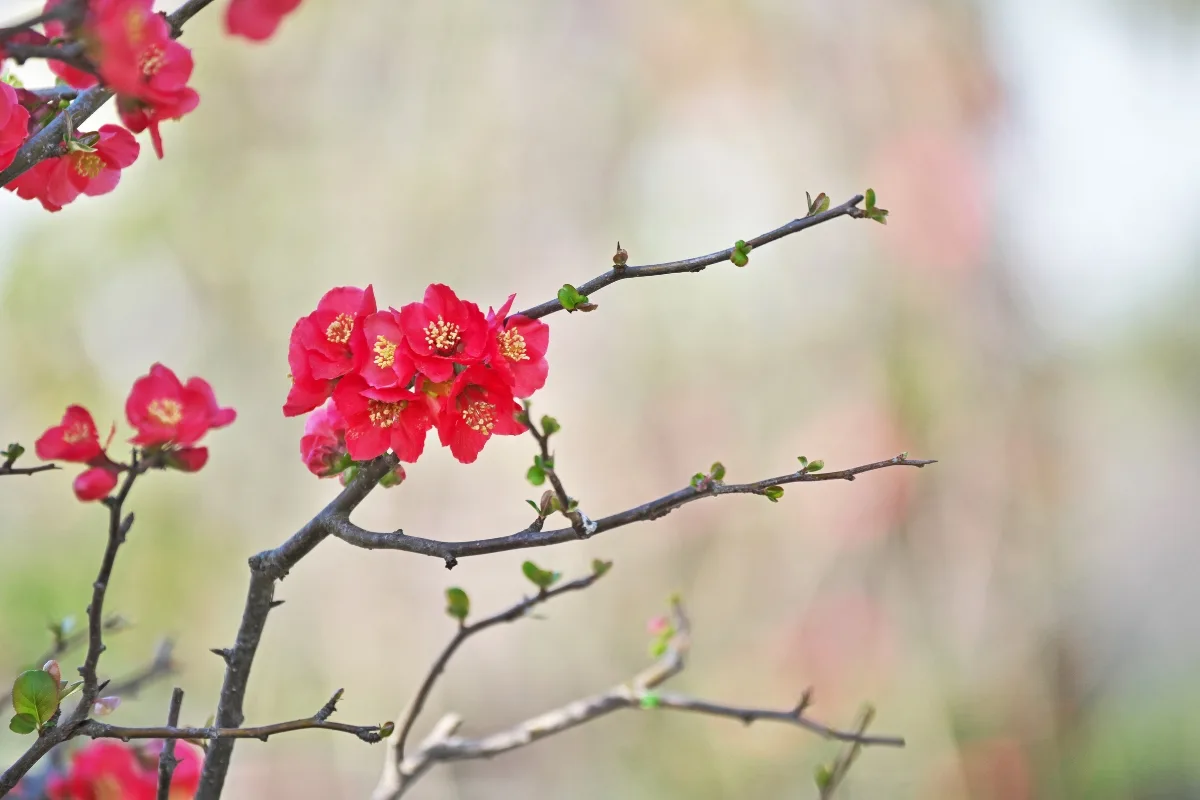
{"points": [[378, 419], [443, 331], [76, 440], [323, 446], [517, 348], [478, 405], [105, 770], [381, 354], [92, 166], [14, 124], [319, 350], [165, 411], [257, 19]]}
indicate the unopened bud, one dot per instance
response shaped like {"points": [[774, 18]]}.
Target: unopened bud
{"points": [[55, 671], [105, 705], [546, 505], [621, 258]]}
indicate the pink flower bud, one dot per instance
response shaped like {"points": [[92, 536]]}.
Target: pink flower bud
{"points": [[55, 671], [105, 705]]}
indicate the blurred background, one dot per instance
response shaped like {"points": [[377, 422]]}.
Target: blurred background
{"points": [[1023, 612]]}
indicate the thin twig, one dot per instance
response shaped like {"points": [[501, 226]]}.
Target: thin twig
{"points": [[845, 760], [160, 665], [7, 468], [580, 523], [166, 759], [350, 533], [847, 209]]}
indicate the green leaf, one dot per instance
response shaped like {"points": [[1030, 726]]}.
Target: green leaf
{"points": [[67, 691], [600, 567], [816, 466], [458, 605], [543, 579], [13, 452], [570, 297], [536, 475], [773, 493], [22, 724], [872, 211], [818, 205], [803, 461], [385, 730], [870, 199], [35, 693], [823, 774], [718, 471], [658, 647], [550, 425], [698, 479], [650, 700], [535, 506]]}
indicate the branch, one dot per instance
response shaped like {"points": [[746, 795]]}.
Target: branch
{"points": [[347, 531], [442, 745], [265, 569], [48, 142], [580, 523], [319, 721], [11, 455], [161, 665], [617, 273], [166, 759]]}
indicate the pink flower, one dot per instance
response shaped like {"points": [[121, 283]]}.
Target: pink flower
{"points": [[14, 124], [105, 769], [517, 349], [257, 19], [74, 439], [96, 483], [93, 172], [443, 331], [478, 405], [319, 349], [323, 446], [165, 411], [381, 354], [379, 419]]}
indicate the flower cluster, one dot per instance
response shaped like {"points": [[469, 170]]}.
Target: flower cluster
{"points": [[106, 769], [130, 49], [169, 417], [381, 379]]}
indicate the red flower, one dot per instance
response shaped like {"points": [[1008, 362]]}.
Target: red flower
{"points": [[381, 355], [106, 769], [91, 173], [96, 483], [378, 419], [188, 459], [479, 404], [14, 124], [74, 439], [135, 53], [73, 76], [319, 350], [443, 331], [32, 184], [257, 19], [165, 411], [323, 445], [517, 349]]}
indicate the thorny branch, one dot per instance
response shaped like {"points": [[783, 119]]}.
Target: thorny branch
{"points": [[400, 772], [48, 142], [166, 759]]}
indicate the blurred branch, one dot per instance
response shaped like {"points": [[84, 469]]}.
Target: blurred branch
{"points": [[347, 531], [69, 12], [12, 454], [48, 142], [166, 759], [63, 644], [618, 273], [318, 721], [442, 745], [830, 778], [160, 666]]}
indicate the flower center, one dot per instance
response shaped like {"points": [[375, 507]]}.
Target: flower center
{"points": [[382, 414], [77, 433], [340, 329], [512, 345], [134, 26], [442, 337], [480, 416], [385, 352], [107, 787], [151, 60], [88, 165], [165, 411]]}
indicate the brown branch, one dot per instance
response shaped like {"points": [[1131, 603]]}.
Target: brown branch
{"points": [[160, 665], [166, 759], [580, 523], [12, 454], [618, 273], [347, 531]]}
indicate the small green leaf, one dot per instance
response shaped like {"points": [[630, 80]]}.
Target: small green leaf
{"points": [[870, 199], [773, 493], [818, 205], [872, 211], [698, 479], [35, 693], [385, 730], [458, 604], [570, 297], [803, 461], [66, 691], [816, 466], [543, 579], [22, 724], [650, 700], [535, 507], [550, 425], [600, 567], [823, 775], [13, 452], [718, 471], [658, 647], [536, 475]]}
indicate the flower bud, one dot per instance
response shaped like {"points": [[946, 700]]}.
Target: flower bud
{"points": [[105, 705], [55, 671]]}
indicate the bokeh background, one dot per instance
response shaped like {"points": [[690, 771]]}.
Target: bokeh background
{"points": [[1024, 612]]}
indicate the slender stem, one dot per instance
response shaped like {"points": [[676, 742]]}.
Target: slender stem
{"points": [[166, 759]]}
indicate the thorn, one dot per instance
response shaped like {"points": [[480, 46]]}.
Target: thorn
{"points": [[277, 603], [225, 653], [806, 700], [101, 687]]}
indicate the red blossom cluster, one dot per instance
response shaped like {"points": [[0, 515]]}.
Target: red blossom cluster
{"points": [[169, 417], [105, 769], [130, 49], [381, 379]]}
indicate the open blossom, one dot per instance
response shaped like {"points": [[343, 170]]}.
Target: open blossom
{"points": [[379, 419], [106, 769], [138, 115], [517, 349], [165, 411], [443, 331], [257, 19], [74, 439], [323, 445], [14, 124], [319, 350], [93, 169], [381, 354], [478, 405], [72, 76]]}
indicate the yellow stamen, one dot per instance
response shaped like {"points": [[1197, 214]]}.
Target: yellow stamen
{"points": [[165, 411], [480, 416], [442, 337], [385, 352], [340, 329], [512, 345]]}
